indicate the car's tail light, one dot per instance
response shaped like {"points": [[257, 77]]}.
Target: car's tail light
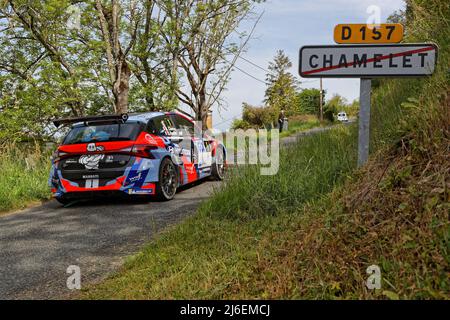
{"points": [[142, 151]]}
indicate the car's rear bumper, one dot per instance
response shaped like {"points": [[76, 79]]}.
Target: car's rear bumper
{"points": [[68, 189], [140, 178]]}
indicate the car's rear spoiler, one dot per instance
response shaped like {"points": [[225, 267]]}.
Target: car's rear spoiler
{"points": [[92, 119]]}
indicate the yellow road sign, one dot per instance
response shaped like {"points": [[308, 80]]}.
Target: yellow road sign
{"points": [[366, 33]]}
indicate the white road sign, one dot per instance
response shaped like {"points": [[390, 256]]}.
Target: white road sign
{"points": [[367, 61]]}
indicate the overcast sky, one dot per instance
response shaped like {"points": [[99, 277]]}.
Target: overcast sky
{"points": [[288, 25]]}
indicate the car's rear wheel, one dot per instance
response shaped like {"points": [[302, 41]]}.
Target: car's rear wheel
{"points": [[218, 167], [168, 180]]}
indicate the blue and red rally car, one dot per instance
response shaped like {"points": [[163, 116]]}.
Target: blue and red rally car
{"points": [[138, 154]]}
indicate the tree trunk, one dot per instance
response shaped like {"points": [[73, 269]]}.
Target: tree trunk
{"points": [[203, 107], [150, 101], [203, 117], [121, 88]]}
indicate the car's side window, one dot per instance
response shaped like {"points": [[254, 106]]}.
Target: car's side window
{"points": [[151, 127], [186, 126], [163, 126]]}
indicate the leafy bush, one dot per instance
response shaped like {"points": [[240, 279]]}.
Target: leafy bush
{"points": [[240, 124], [309, 101], [336, 104], [259, 117]]}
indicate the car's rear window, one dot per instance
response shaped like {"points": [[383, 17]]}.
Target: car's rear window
{"points": [[103, 132]]}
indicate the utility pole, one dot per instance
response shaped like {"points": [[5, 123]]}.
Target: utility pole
{"points": [[321, 101], [364, 121]]}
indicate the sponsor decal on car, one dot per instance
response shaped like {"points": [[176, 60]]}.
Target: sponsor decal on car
{"points": [[90, 161], [150, 139], [90, 176], [92, 147], [146, 191], [135, 178]]}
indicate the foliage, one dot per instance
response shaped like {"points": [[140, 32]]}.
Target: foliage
{"points": [[398, 16], [353, 108], [66, 58], [240, 124], [258, 117], [300, 123], [309, 101], [44, 69], [281, 85], [336, 104], [197, 34]]}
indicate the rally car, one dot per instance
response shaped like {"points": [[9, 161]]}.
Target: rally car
{"points": [[147, 154]]}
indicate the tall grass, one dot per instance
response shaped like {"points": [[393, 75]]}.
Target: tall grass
{"points": [[24, 170], [307, 169]]}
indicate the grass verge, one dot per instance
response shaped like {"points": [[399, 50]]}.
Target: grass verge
{"points": [[23, 176]]}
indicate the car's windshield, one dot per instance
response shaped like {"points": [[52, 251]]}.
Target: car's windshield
{"points": [[102, 133]]}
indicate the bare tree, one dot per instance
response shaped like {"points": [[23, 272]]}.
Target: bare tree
{"points": [[150, 61], [198, 37], [110, 19]]}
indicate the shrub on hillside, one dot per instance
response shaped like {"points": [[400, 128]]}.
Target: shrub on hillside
{"points": [[258, 117], [308, 101], [240, 124]]}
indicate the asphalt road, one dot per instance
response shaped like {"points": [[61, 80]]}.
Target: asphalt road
{"points": [[37, 245]]}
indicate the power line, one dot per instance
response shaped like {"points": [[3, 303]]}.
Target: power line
{"points": [[254, 64], [267, 71], [258, 66], [248, 61], [245, 72], [217, 124]]}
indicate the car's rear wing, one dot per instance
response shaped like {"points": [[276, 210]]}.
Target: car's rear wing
{"points": [[121, 118]]}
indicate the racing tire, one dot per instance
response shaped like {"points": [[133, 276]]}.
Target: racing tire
{"points": [[166, 187], [218, 167]]}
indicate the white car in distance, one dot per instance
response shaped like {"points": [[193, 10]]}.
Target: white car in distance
{"points": [[342, 116]]}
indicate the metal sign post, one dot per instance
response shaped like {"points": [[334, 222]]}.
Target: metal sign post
{"points": [[364, 121]]}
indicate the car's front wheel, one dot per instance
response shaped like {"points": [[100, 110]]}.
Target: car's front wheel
{"points": [[168, 180]]}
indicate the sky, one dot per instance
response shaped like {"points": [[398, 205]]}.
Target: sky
{"points": [[289, 25]]}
